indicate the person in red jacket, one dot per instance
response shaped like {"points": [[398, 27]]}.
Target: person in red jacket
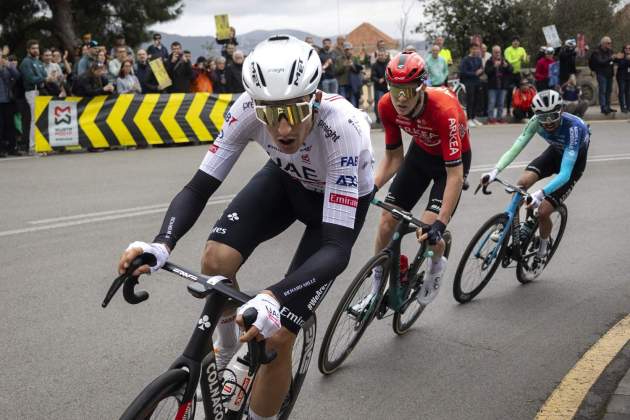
{"points": [[522, 98], [542, 69]]}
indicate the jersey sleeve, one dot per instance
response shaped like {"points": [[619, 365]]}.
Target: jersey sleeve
{"points": [[344, 157], [239, 126], [519, 144], [569, 156], [387, 113], [452, 130]]}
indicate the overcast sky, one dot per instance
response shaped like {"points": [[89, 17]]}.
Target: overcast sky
{"points": [[318, 17]]}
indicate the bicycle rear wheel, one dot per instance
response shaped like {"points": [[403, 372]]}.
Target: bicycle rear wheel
{"points": [[526, 271], [162, 399], [346, 326], [405, 317], [476, 267]]}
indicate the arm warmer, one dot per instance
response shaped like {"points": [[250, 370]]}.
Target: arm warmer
{"points": [[321, 268], [569, 156], [519, 144], [186, 208]]}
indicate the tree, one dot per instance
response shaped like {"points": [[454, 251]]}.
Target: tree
{"points": [[404, 20], [59, 22]]}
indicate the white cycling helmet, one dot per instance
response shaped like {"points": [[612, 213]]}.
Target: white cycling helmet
{"points": [[547, 105], [570, 43], [281, 68]]}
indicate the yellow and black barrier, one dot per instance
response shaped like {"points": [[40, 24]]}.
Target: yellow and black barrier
{"points": [[128, 120]]}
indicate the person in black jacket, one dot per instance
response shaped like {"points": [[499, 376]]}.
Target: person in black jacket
{"points": [[219, 77], [469, 71], [601, 62], [623, 78], [144, 73], [378, 79], [93, 82], [499, 74], [179, 69], [234, 73], [566, 57]]}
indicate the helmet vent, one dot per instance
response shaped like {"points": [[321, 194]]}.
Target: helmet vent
{"points": [[292, 72], [314, 76], [278, 38], [310, 53], [411, 73], [260, 73]]}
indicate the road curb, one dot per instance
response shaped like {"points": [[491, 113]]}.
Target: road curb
{"points": [[581, 388]]}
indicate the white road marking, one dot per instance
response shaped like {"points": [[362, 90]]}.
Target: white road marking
{"points": [[81, 219]]}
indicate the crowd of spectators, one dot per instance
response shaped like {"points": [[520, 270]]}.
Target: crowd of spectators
{"points": [[91, 69]]}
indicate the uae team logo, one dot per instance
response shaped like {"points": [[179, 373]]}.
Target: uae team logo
{"points": [[63, 128]]}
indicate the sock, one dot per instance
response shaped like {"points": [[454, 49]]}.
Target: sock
{"points": [[542, 249], [376, 278], [254, 416], [435, 266], [227, 338]]}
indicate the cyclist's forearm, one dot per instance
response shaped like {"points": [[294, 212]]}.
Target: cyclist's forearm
{"points": [[319, 269], [566, 168], [186, 207], [388, 166], [452, 192]]}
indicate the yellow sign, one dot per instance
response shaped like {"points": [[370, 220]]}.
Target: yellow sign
{"points": [[160, 73], [223, 26]]}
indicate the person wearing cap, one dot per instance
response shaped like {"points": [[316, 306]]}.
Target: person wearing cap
{"points": [[542, 73], [516, 56], [157, 50], [566, 57], [522, 97], [88, 59], [347, 69], [93, 82]]}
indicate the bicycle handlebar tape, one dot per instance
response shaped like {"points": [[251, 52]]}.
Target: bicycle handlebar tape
{"points": [[131, 296]]}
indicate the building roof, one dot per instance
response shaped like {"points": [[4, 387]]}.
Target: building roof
{"points": [[366, 35]]}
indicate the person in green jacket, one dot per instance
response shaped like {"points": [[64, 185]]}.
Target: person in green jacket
{"points": [[437, 67], [516, 56], [33, 77]]}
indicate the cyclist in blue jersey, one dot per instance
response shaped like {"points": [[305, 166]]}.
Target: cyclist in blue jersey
{"points": [[568, 137]]}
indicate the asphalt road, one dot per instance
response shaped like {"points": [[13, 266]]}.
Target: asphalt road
{"points": [[65, 220]]}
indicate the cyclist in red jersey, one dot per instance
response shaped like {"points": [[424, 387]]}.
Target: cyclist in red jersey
{"points": [[440, 152]]}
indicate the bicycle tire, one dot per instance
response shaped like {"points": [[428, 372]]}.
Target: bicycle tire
{"points": [[521, 265], [325, 364], [399, 326], [169, 384], [459, 294], [309, 333]]}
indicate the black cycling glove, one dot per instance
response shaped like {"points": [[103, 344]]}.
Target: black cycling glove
{"points": [[435, 232]]}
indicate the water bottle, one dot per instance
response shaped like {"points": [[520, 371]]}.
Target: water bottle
{"points": [[237, 380], [404, 268]]}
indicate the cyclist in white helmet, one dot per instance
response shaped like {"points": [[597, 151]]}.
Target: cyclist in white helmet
{"points": [[568, 138], [319, 173]]}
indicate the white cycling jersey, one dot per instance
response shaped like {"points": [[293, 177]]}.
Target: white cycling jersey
{"points": [[336, 158]]}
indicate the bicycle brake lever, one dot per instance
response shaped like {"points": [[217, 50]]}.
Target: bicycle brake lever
{"points": [[258, 353], [485, 190], [129, 293]]}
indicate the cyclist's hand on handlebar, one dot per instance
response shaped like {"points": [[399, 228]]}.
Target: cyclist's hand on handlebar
{"points": [[268, 321], [488, 177], [534, 200], [434, 234], [160, 251]]}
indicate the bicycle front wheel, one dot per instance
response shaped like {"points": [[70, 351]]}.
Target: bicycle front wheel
{"points": [[347, 325], [478, 265], [162, 399], [405, 317], [526, 271]]}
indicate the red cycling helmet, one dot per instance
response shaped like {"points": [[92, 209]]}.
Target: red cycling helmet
{"points": [[406, 67]]}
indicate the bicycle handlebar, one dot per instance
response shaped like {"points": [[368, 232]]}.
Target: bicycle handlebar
{"points": [[401, 214], [258, 353], [130, 282], [509, 188]]}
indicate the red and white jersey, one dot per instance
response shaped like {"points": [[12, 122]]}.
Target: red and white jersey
{"points": [[336, 158], [441, 128]]}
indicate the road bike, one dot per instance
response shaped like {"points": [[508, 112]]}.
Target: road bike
{"points": [[172, 395], [505, 239], [459, 90], [348, 324]]}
